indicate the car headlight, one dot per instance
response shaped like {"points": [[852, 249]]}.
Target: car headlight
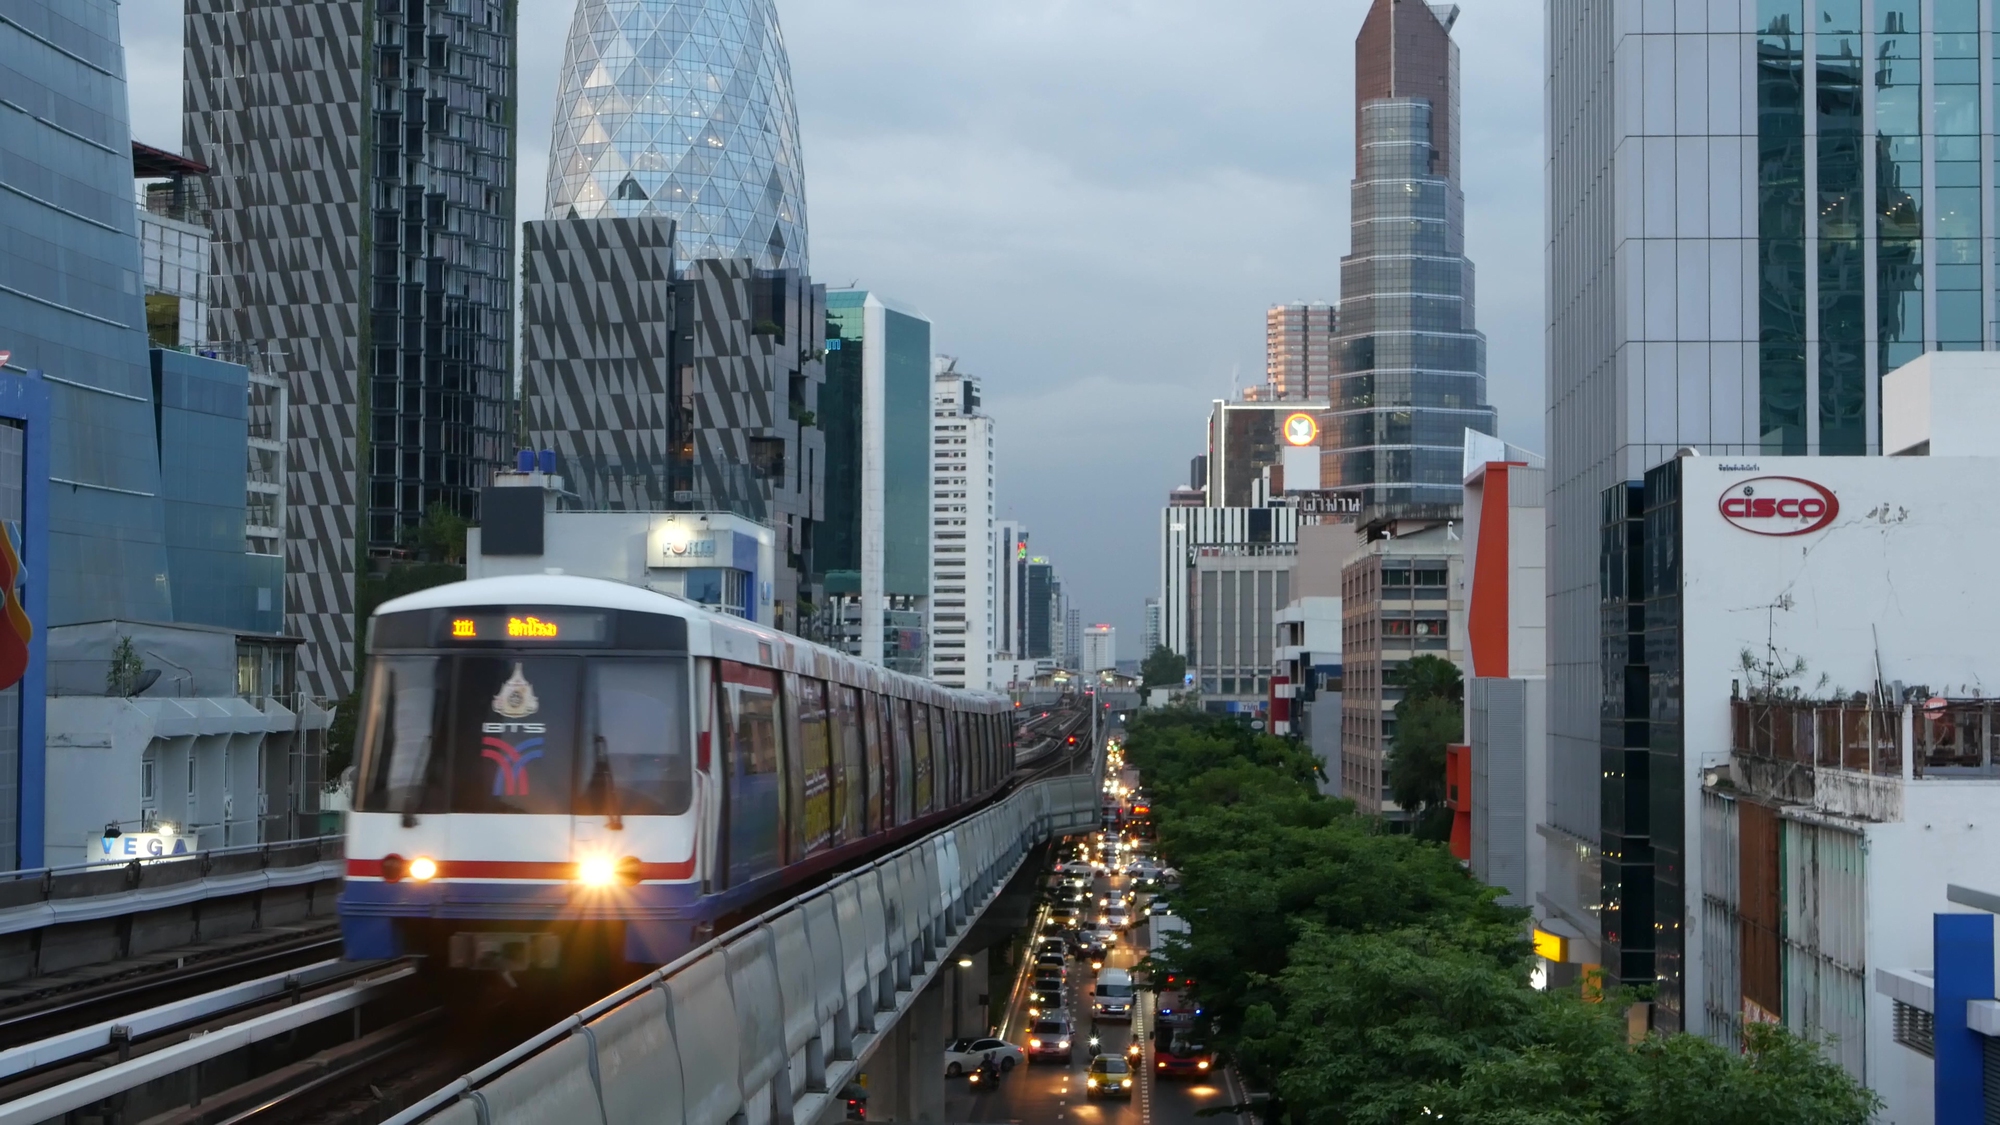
{"points": [[1203, 1064], [1035, 1043], [1063, 1046], [1090, 1081], [1126, 1082]]}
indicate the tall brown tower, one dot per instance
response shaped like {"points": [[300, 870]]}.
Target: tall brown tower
{"points": [[1405, 51], [1408, 365]]}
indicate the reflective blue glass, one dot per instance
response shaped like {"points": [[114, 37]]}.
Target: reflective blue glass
{"points": [[71, 304], [683, 109]]}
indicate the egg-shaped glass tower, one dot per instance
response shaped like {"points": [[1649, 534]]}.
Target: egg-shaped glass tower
{"points": [[682, 109]]}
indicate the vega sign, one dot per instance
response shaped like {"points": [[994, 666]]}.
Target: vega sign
{"points": [[136, 846], [1779, 505]]}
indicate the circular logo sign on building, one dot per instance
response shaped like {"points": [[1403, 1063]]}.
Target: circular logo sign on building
{"points": [[1779, 505], [1301, 429]]}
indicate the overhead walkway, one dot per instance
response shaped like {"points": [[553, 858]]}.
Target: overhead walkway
{"points": [[767, 1024]]}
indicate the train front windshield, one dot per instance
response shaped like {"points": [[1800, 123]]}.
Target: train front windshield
{"points": [[513, 730]]}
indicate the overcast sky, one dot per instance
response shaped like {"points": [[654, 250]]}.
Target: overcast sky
{"points": [[1094, 201]]}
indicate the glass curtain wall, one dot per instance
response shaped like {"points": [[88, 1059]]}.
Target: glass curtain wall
{"points": [[1843, 284], [1899, 183], [1409, 368], [1955, 164], [1781, 222]]}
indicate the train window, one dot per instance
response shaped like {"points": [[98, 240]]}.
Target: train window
{"points": [[638, 762], [513, 733], [926, 771], [399, 730], [879, 781], [906, 769], [855, 785], [811, 783], [954, 750], [750, 724]]}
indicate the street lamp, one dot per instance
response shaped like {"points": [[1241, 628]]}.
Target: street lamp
{"points": [[958, 995]]}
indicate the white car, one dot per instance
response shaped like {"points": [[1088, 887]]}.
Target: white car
{"points": [[963, 1056]]}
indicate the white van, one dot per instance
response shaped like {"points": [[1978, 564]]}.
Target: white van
{"points": [[1112, 999]]}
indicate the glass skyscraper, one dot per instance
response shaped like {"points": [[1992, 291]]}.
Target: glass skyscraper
{"points": [[683, 109], [1409, 368], [874, 548]]}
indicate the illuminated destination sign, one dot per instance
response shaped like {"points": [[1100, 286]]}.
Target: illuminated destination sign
{"points": [[573, 628]]}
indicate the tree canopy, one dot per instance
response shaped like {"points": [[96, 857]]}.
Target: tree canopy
{"points": [[1365, 978], [1163, 667], [1429, 716]]}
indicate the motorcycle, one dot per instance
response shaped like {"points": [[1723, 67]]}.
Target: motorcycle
{"points": [[987, 1075], [1095, 1043]]}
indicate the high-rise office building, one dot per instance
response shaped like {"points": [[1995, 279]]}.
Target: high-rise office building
{"points": [[1151, 638], [1224, 575], [1744, 238], [962, 583], [1298, 349], [874, 554], [441, 256], [1409, 367], [682, 109], [1040, 592], [1010, 577], [360, 178], [1247, 443]]}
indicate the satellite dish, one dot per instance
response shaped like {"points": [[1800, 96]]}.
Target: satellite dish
{"points": [[146, 679]]}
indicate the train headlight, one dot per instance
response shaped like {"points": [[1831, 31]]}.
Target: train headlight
{"points": [[597, 871], [423, 868]]}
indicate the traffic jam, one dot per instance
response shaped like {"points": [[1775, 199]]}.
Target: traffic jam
{"points": [[1086, 1027]]}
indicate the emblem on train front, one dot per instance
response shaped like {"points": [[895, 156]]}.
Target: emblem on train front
{"points": [[517, 697]]}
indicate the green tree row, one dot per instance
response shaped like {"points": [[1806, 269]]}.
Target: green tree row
{"points": [[1361, 977]]}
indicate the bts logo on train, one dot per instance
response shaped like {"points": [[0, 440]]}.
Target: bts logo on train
{"points": [[1779, 505]]}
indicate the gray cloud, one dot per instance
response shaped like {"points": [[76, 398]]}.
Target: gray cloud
{"points": [[1095, 200]]}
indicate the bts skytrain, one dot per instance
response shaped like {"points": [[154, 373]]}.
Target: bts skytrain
{"points": [[554, 771]]}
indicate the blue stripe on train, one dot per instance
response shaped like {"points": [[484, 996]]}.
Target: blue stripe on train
{"points": [[660, 919]]}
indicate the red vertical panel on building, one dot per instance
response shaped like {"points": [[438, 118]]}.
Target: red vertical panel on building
{"points": [[1757, 851], [1458, 794], [1486, 609]]}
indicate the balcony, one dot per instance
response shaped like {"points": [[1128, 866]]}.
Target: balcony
{"points": [[1854, 759]]}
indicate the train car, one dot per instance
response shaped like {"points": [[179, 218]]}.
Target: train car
{"points": [[554, 770]]}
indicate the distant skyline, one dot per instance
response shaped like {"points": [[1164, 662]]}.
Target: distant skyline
{"points": [[1095, 204]]}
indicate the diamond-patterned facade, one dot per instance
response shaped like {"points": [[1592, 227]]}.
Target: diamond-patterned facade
{"points": [[682, 109]]}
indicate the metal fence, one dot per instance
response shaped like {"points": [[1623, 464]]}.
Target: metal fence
{"points": [[1947, 737]]}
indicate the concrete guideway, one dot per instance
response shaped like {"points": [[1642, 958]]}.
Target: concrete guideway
{"points": [[79, 1093], [769, 1022], [139, 1025]]}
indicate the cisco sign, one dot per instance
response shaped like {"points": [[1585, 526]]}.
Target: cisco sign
{"points": [[1779, 505]]}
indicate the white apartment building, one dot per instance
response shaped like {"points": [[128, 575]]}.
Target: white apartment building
{"points": [[962, 565], [1100, 649]]}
